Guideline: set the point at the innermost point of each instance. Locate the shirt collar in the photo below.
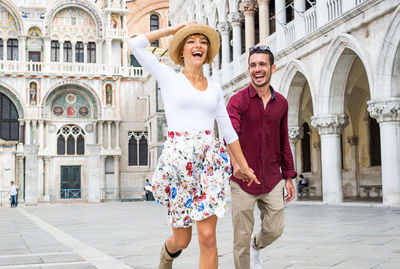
(253, 91)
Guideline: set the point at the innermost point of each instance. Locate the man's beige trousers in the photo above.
(271, 206)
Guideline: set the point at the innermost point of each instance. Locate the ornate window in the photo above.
(305, 149)
(12, 49)
(374, 142)
(55, 51)
(154, 25)
(91, 52)
(137, 149)
(79, 52)
(67, 51)
(71, 140)
(8, 119)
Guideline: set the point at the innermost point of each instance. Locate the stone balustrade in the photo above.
(78, 70)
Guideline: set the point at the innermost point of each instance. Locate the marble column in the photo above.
(125, 52)
(300, 7)
(34, 132)
(41, 134)
(117, 125)
(85, 52)
(21, 130)
(73, 44)
(317, 147)
(217, 62)
(46, 187)
(31, 178)
(249, 8)
(47, 49)
(108, 50)
(353, 141)
(330, 127)
(61, 51)
(22, 49)
(109, 134)
(116, 176)
(387, 113)
(99, 51)
(224, 29)
(263, 14)
(294, 135)
(27, 132)
(94, 180)
(100, 134)
(236, 20)
(280, 22)
(21, 171)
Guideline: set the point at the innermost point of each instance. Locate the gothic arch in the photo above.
(340, 57)
(85, 5)
(294, 77)
(98, 111)
(386, 77)
(13, 95)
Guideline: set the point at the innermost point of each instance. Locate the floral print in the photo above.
(190, 178)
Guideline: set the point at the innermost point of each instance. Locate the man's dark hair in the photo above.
(262, 49)
(301, 175)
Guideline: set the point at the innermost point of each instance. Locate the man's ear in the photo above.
(273, 68)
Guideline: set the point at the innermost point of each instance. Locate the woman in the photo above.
(194, 166)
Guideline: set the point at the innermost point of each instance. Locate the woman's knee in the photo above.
(181, 243)
(207, 238)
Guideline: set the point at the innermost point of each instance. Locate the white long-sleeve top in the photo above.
(186, 108)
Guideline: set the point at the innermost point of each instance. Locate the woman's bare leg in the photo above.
(179, 239)
(208, 243)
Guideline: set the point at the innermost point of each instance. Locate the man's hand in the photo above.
(290, 193)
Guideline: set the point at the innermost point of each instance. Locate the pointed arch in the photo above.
(296, 76)
(13, 95)
(341, 55)
(387, 76)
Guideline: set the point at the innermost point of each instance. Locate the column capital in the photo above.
(353, 140)
(294, 134)
(235, 18)
(263, 2)
(385, 110)
(248, 7)
(330, 124)
(224, 27)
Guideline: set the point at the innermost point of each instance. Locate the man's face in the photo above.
(260, 69)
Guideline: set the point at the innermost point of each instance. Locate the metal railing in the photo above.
(68, 195)
(5, 197)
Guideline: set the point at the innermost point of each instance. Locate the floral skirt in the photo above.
(190, 177)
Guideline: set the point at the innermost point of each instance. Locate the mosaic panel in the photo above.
(7, 22)
(70, 105)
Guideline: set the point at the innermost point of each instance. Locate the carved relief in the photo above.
(248, 7)
(331, 124)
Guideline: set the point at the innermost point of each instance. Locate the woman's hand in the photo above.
(249, 176)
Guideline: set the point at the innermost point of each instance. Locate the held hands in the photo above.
(245, 175)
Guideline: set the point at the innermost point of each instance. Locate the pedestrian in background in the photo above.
(13, 192)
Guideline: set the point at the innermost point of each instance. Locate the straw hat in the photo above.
(176, 42)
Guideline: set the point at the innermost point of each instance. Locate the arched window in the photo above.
(12, 49)
(91, 52)
(67, 51)
(374, 142)
(154, 25)
(305, 149)
(79, 52)
(55, 51)
(8, 119)
(71, 139)
(138, 149)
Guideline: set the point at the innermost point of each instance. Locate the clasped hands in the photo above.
(247, 175)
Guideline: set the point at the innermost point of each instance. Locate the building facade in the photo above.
(75, 112)
(338, 64)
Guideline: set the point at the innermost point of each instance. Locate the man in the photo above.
(13, 192)
(302, 184)
(259, 116)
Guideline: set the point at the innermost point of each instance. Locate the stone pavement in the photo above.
(129, 235)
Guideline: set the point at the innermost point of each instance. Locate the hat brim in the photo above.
(176, 41)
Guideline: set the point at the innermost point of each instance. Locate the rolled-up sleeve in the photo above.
(287, 164)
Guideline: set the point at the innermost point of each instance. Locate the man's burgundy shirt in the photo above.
(263, 135)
